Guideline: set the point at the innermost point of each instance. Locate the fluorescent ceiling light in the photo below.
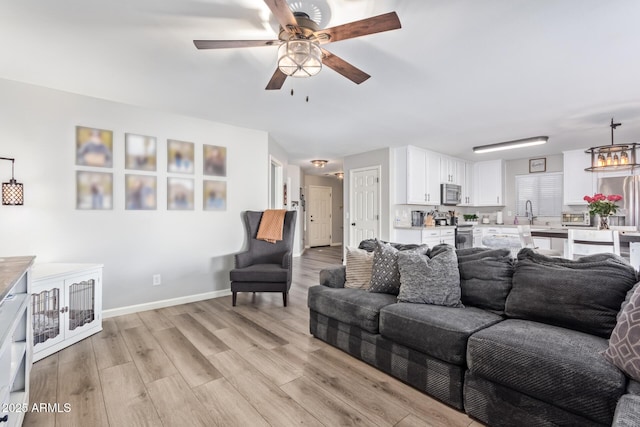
(508, 145)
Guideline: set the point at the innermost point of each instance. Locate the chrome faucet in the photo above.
(528, 207)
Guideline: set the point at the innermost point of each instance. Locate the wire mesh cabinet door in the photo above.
(46, 311)
(81, 311)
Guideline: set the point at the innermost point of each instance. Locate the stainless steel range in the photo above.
(464, 236)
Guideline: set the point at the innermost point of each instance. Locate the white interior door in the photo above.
(319, 216)
(364, 210)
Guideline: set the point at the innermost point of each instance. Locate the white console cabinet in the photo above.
(15, 339)
(66, 304)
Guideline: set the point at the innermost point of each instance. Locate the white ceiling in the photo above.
(459, 73)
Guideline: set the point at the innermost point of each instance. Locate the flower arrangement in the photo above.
(603, 205)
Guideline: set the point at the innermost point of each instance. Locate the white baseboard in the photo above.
(337, 244)
(164, 303)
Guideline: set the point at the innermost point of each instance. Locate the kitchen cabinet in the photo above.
(467, 185)
(489, 183)
(432, 185)
(438, 235)
(417, 175)
(408, 236)
(15, 339)
(67, 305)
(452, 171)
(430, 236)
(577, 183)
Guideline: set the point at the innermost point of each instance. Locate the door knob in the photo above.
(353, 223)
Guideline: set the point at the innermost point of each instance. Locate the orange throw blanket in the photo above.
(271, 225)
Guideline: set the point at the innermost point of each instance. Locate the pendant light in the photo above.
(612, 157)
(12, 191)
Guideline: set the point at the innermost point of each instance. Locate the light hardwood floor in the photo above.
(208, 363)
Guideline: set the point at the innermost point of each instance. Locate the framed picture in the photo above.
(140, 192)
(214, 195)
(94, 190)
(94, 147)
(140, 152)
(538, 165)
(179, 156)
(215, 160)
(179, 194)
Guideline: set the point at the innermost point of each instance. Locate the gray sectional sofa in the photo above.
(524, 350)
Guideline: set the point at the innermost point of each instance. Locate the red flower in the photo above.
(614, 197)
(600, 197)
(588, 199)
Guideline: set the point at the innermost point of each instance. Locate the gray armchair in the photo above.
(264, 267)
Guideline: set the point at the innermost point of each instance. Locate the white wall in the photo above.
(372, 158)
(294, 176)
(192, 250)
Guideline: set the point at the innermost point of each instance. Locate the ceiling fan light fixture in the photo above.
(300, 58)
(319, 163)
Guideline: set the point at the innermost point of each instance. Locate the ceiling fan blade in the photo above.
(283, 14)
(341, 66)
(277, 80)
(225, 44)
(376, 24)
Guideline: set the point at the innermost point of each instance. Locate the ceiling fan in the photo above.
(300, 53)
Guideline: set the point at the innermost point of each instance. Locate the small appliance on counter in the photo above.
(576, 219)
(417, 218)
(485, 219)
(440, 218)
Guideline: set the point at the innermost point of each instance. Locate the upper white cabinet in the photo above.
(433, 178)
(577, 182)
(417, 176)
(489, 183)
(467, 185)
(452, 171)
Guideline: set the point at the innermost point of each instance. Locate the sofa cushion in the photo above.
(627, 412)
(352, 306)
(385, 275)
(432, 279)
(624, 343)
(584, 295)
(359, 264)
(437, 331)
(260, 273)
(559, 366)
(485, 277)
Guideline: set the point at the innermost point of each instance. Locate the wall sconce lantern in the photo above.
(12, 191)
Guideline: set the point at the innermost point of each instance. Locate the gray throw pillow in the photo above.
(430, 280)
(385, 276)
(624, 343)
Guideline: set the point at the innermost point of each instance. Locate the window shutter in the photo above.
(545, 192)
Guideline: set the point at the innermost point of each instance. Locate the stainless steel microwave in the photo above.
(580, 219)
(450, 194)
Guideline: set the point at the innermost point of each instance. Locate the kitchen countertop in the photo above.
(409, 227)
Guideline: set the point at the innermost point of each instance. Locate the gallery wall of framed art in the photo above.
(95, 180)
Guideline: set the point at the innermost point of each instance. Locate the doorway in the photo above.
(319, 205)
(276, 184)
(364, 206)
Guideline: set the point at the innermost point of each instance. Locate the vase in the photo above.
(603, 224)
